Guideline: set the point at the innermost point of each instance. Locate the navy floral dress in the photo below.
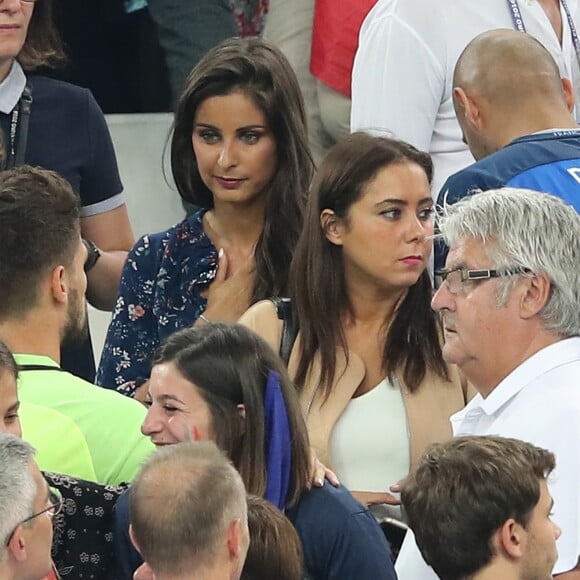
(83, 540)
(160, 292)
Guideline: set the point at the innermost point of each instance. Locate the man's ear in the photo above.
(331, 226)
(569, 94)
(133, 538)
(535, 296)
(467, 107)
(17, 545)
(511, 538)
(59, 285)
(144, 572)
(234, 539)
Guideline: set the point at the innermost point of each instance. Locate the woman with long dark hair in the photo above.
(239, 152)
(367, 360)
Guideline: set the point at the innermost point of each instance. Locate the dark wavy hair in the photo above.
(43, 47)
(318, 287)
(229, 364)
(260, 71)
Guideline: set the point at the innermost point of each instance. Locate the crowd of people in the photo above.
(288, 389)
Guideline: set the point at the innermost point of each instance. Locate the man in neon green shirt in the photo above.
(76, 427)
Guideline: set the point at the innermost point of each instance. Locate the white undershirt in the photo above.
(369, 445)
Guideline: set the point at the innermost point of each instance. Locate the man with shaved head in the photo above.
(402, 78)
(189, 515)
(515, 114)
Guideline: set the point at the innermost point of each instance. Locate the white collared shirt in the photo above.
(403, 70)
(538, 402)
(11, 88)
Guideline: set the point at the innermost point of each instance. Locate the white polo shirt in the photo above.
(403, 69)
(538, 402)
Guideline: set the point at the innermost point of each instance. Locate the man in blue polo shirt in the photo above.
(515, 114)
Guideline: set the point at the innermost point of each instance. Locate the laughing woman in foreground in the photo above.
(223, 383)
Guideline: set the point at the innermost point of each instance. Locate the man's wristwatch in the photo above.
(93, 254)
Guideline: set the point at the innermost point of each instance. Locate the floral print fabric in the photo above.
(161, 291)
(250, 16)
(82, 545)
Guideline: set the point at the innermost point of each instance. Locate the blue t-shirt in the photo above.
(548, 162)
(160, 293)
(341, 539)
(68, 133)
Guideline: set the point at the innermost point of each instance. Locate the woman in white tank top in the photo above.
(367, 359)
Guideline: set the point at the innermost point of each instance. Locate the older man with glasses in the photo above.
(510, 306)
(27, 507)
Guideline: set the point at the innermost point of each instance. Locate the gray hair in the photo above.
(17, 486)
(181, 505)
(527, 229)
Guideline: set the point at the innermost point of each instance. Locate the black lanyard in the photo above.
(39, 368)
(18, 131)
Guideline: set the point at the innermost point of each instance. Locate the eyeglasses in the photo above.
(457, 277)
(55, 506)
(54, 499)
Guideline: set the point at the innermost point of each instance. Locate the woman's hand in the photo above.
(229, 295)
(369, 498)
(319, 472)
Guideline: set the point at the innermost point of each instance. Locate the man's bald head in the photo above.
(507, 85)
(184, 503)
(506, 68)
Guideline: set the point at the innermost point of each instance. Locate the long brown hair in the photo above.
(261, 72)
(229, 364)
(318, 287)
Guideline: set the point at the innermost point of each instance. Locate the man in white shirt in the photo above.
(403, 69)
(480, 509)
(510, 304)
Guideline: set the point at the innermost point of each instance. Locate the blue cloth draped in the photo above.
(278, 442)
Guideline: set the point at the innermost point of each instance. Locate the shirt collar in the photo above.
(35, 359)
(11, 88)
(550, 357)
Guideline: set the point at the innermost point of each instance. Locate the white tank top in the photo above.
(369, 445)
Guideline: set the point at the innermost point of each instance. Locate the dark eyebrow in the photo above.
(170, 398)
(14, 407)
(244, 128)
(250, 127)
(402, 202)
